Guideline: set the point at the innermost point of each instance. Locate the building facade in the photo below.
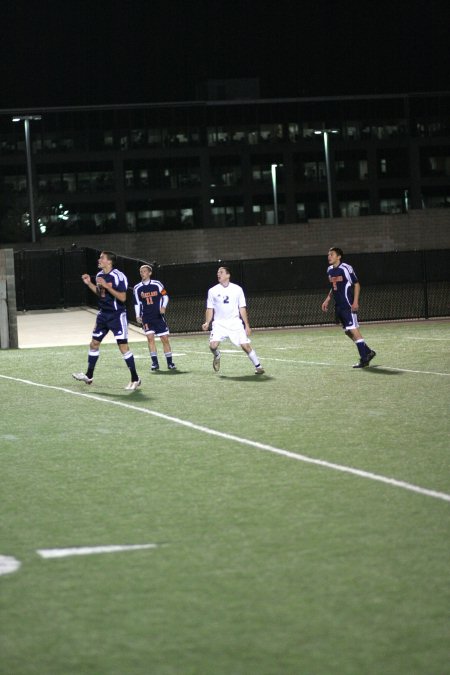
(217, 164)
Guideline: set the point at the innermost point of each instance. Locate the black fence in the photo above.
(279, 291)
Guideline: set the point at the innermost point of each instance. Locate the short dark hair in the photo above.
(338, 251)
(226, 268)
(111, 256)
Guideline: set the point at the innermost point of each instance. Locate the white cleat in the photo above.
(81, 377)
(259, 371)
(132, 386)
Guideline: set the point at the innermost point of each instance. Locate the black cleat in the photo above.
(371, 355)
(363, 363)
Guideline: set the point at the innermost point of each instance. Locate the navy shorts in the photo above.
(157, 326)
(116, 322)
(347, 318)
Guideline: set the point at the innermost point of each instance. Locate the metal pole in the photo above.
(273, 168)
(327, 165)
(30, 180)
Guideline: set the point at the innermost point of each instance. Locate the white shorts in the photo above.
(233, 329)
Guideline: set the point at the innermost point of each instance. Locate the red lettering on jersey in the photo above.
(334, 281)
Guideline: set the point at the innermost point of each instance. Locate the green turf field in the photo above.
(300, 519)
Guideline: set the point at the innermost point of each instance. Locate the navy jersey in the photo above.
(149, 297)
(106, 301)
(342, 279)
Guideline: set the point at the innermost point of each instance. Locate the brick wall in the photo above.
(416, 230)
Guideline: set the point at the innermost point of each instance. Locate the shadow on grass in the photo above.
(172, 373)
(379, 370)
(247, 378)
(137, 395)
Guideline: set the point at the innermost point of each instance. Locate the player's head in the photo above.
(145, 271)
(107, 258)
(223, 274)
(339, 252)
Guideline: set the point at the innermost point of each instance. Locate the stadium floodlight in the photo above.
(325, 133)
(26, 119)
(273, 169)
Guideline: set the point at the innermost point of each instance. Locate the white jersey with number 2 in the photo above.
(226, 301)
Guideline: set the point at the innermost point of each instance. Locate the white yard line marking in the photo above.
(439, 339)
(8, 564)
(245, 441)
(241, 354)
(90, 550)
(332, 365)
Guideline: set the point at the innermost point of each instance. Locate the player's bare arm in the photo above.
(87, 280)
(244, 317)
(326, 302)
(355, 303)
(120, 295)
(208, 318)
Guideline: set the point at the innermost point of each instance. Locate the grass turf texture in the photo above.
(266, 564)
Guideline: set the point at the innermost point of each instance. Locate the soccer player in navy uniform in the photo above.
(150, 302)
(345, 289)
(111, 289)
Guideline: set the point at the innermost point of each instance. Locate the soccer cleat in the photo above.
(259, 370)
(132, 386)
(171, 366)
(371, 355)
(216, 363)
(81, 377)
(363, 363)
(155, 366)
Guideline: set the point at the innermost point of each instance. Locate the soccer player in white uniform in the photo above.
(226, 308)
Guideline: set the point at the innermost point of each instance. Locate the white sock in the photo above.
(253, 358)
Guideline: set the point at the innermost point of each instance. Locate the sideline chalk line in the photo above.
(326, 363)
(245, 441)
(90, 550)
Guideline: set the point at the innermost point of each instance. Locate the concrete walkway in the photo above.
(56, 327)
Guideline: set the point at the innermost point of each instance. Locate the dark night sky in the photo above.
(82, 52)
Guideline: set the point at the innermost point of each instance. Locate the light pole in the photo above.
(26, 121)
(273, 169)
(324, 133)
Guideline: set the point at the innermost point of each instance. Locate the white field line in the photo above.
(241, 354)
(90, 550)
(245, 441)
(439, 339)
(332, 365)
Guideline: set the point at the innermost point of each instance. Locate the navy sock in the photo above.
(129, 360)
(92, 361)
(363, 349)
